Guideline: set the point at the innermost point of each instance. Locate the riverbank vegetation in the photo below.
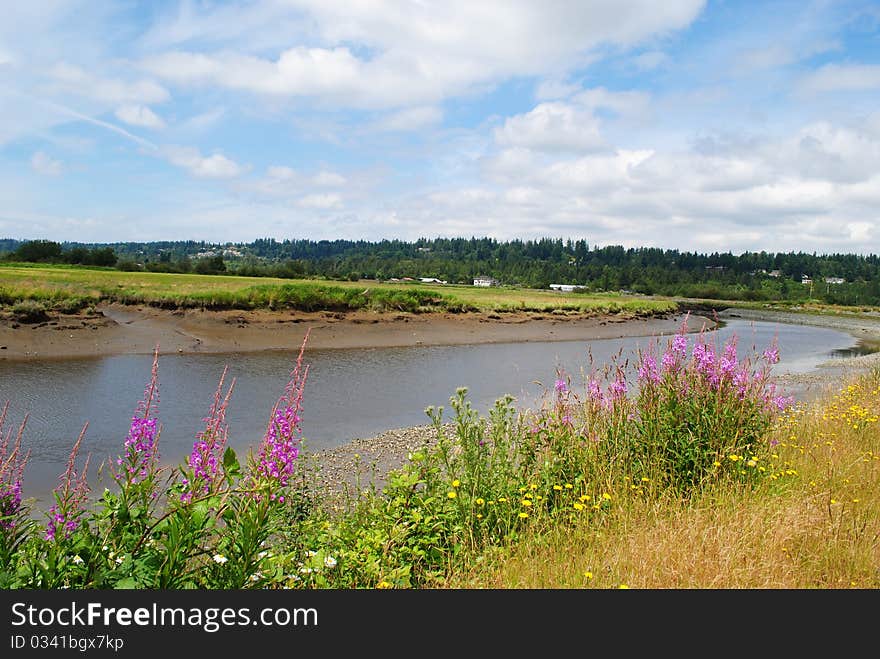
(841, 279)
(29, 290)
(679, 467)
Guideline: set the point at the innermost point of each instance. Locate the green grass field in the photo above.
(68, 289)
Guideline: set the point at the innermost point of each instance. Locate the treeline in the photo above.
(528, 263)
(48, 251)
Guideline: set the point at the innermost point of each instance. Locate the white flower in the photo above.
(77, 560)
(220, 558)
(330, 562)
(119, 560)
(311, 553)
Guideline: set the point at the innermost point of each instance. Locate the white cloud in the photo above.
(328, 179)
(214, 166)
(552, 127)
(46, 165)
(321, 201)
(74, 80)
(841, 77)
(568, 126)
(410, 119)
(385, 54)
(139, 115)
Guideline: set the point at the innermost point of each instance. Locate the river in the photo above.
(349, 393)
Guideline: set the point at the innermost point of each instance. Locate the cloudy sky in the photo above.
(688, 124)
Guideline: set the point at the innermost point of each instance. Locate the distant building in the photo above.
(566, 288)
(431, 280)
(485, 281)
(775, 273)
(835, 280)
(806, 281)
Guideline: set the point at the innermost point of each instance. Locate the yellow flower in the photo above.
(523, 515)
(383, 584)
(480, 501)
(623, 586)
(578, 506)
(502, 500)
(526, 502)
(606, 496)
(588, 575)
(479, 516)
(716, 464)
(533, 486)
(456, 483)
(568, 486)
(451, 494)
(557, 487)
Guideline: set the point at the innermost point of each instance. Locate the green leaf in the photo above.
(231, 466)
(128, 583)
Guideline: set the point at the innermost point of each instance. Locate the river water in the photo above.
(350, 393)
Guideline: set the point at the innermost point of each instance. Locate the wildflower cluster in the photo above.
(205, 460)
(65, 515)
(12, 464)
(141, 444)
(275, 460)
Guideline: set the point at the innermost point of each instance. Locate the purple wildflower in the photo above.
(741, 381)
(207, 452)
(141, 444)
(594, 391)
(675, 353)
(704, 358)
(783, 402)
(728, 359)
(561, 386)
(617, 389)
(771, 354)
(279, 449)
(648, 371)
(70, 495)
(12, 466)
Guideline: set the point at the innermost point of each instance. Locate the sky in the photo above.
(706, 126)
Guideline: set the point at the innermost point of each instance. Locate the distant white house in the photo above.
(775, 273)
(566, 288)
(431, 280)
(805, 280)
(835, 280)
(485, 281)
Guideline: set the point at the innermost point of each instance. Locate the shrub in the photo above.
(29, 311)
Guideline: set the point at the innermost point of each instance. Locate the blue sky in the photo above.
(706, 126)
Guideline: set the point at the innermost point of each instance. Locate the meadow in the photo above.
(701, 475)
(30, 289)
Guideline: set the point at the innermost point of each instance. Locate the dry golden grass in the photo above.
(813, 522)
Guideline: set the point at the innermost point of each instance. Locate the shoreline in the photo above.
(369, 459)
(121, 330)
(361, 461)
